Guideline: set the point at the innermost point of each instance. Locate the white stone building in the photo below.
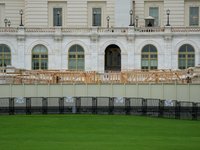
(79, 44)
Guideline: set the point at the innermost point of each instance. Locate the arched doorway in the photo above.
(113, 58)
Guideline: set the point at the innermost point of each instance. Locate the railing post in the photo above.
(78, 104)
(194, 111)
(28, 106)
(161, 108)
(94, 105)
(111, 106)
(11, 106)
(144, 107)
(127, 106)
(61, 105)
(44, 105)
(177, 110)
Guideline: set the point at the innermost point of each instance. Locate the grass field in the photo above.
(97, 132)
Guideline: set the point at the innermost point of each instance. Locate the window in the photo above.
(76, 58)
(97, 16)
(149, 57)
(186, 57)
(4, 55)
(154, 13)
(39, 57)
(194, 16)
(55, 16)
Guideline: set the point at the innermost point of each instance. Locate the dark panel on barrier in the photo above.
(28, 106)
(4, 105)
(119, 105)
(53, 105)
(44, 105)
(20, 105)
(186, 110)
(86, 105)
(36, 105)
(136, 106)
(102, 105)
(11, 106)
(169, 108)
(153, 107)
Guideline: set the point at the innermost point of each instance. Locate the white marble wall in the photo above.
(94, 45)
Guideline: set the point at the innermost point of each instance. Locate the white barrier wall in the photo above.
(181, 92)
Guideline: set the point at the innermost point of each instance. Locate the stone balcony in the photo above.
(100, 31)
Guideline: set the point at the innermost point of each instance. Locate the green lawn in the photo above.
(97, 132)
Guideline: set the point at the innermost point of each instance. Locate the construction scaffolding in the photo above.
(74, 76)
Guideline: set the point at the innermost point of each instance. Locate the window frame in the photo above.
(5, 53)
(39, 53)
(115, 62)
(186, 58)
(189, 17)
(60, 17)
(152, 16)
(149, 57)
(76, 57)
(95, 18)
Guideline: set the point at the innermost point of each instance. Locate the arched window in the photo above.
(186, 57)
(39, 57)
(76, 58)
(149, 57)
(5, 56)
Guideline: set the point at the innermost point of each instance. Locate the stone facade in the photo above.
(77, 30)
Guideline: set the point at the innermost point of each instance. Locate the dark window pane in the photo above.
(73, 49)
(80, 56)
(152, 48)
(55, 16)
(194, 16)
(145, 49)
(190, 48)
(6, 49)
(79, 49)
(1, 48)
(72, 56)
(97, 17)
(183, 48)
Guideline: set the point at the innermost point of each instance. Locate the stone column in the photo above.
(58, 47)
(21, 47)
(130, 48)
(168, 47)
(94, 49)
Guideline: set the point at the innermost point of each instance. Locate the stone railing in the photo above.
(185, 29)
(113, 30)
(8, 30)
(76, 30)
(150, 29)
(39, 30)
